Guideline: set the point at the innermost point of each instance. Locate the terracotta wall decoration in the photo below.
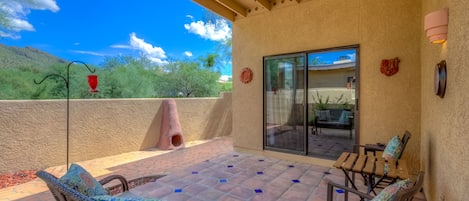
(246, 75)
(390, 67)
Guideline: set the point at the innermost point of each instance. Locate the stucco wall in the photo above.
(445, 122)
(383, 29)
(34, 132)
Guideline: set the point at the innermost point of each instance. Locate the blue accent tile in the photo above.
(295, 181)
(327, 173)
(229, 166)
(258, 190)
(260, 172)
(261, 160)
(195, 172)
(223, 180)
(290, 166)
(236, 155)
(177, 190)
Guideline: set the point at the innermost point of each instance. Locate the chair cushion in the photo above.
(393, 148)
(390, 192)
(122, 197)
(344, 117)
(324, 115)
(82, 181)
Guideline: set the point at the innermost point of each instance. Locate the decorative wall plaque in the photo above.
(440, 79)
(390, 66)
(246, 75)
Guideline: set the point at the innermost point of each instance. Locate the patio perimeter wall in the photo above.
(34, 131)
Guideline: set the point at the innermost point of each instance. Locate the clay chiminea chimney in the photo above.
(170, 131)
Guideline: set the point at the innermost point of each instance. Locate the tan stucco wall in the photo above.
(34, 132)
(383, 29)
(445, 122)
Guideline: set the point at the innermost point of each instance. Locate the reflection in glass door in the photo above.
(320, 121)
(283, 103)
(332, 92)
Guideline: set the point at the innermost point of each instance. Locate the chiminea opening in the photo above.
(176, 140)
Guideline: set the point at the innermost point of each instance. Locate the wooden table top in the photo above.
(372, 165)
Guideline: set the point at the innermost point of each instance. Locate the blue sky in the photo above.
(90, 30)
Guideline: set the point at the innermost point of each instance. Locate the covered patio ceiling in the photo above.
(237, 9)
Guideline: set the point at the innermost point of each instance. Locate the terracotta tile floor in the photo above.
(206, 170)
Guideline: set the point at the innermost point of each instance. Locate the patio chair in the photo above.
(380, 147)
(384, 181)
(63, 192)
(401, 195)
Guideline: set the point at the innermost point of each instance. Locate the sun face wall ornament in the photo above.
(390, 67)
(440, 79)
(246, 75)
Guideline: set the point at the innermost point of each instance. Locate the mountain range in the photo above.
(26, 57)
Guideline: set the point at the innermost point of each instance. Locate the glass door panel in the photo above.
(332, 97)
(284, 106)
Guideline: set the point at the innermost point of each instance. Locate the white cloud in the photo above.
(155, 54)
(187, 53)
(13, 15)
(8, 35)
(225, 78)
(20, 25)
(89, 52)
(121, 46)
(218, 32)
(190, 16)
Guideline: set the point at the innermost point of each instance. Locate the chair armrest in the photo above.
(143, 180)
(330, 191)
(126, 185)
(122, 187)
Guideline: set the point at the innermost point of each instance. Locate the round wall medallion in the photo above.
(440, 79)
(246, 75)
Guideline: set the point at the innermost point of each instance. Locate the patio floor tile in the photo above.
(210, 170)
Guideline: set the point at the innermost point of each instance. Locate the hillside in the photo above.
(27, 57)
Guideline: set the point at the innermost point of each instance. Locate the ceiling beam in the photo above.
(217, 8)
(265, 4)
(233, 6)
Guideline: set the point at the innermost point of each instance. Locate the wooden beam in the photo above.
(235, 7)
(217, 8)
(265, 3)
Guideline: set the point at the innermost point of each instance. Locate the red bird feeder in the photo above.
(93, 83)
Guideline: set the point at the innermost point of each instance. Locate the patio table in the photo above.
(369, 167)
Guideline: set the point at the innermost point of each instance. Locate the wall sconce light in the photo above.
(436, 26)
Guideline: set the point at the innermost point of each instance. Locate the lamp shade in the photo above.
(436, 25)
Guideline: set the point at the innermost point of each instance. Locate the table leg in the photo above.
(347, 179)
(370, 184)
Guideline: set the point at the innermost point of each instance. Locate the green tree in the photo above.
(187, 79)
(127, 77)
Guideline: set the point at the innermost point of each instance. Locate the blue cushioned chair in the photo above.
(63, 192)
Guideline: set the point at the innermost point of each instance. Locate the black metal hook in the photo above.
(50, 75)
(67, 81)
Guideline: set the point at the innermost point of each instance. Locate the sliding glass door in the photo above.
(284, 106)
(310, 102)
